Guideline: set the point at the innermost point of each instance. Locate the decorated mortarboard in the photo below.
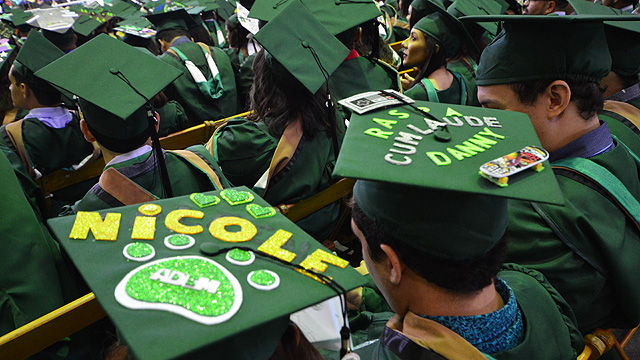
(176, 19)
(462, 8)
(336, 16)
(85, 25)
(124, 10)
(53, 19)
(623, 37)
(168, 276)
(427, 191)
(127, 78)
(208, 5)
(310, 53)
(579, 53)
(140, 27)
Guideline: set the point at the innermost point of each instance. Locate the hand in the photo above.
(354, 299)
(406, 81)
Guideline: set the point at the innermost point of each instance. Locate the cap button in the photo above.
(305, 44)
(114, 71)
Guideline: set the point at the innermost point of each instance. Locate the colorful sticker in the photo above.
(235, 197)
(263, 279)
(179, 241)
(150, 209)
(240, 257)
(138, 251)
(260, 212)
(203, 200)
(194, 287)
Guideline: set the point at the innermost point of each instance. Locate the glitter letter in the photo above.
(273, 246)
(172, 221)
(102, 230)
(144, 228)
(219, 231)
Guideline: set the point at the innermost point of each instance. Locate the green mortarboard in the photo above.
(336, 16)
(427, 6)
(580, 54)
(429, 193)
(186, 300)
(176, 19)
(124, 10)
(85, 25)
(140, 27)
(208, 5)
(226, 8)
(112, 109)
(300, 48)
(37, 52)
(19, 19)
(439, 27)
(623, 37)
(462, 8)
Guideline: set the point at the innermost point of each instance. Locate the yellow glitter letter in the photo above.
(219, 231)
(317, 260)
(273, 246)
(144, 228)
(102, 230)
(172, 221)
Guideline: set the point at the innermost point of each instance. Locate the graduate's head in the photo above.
(425, 215)
(171, 25)
(117, 113)
(556, 82)
(36, 53)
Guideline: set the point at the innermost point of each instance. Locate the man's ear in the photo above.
(85, 131)
(396, 265)
(559, 94)
(551, 7)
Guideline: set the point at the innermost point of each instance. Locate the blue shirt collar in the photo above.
(180, 40)
(593, 143)
(55, 117)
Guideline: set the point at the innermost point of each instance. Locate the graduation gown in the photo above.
(457, 93)
(550, 332)
(197, 106)
(243, 149)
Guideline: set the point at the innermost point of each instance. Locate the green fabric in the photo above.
(454, 94)
(159, 335)
(177, 19)
(360, 75)
(310, 53)
(596, 230)
(185, 91)
(185, 179)
(462, 66)
(32, 280)
(121, 115)
(550, 331)
(36, 53)
(243, 149)
(51, 149)
(210, 84)
(622, 131)
(85, 25)
(244, 80)
(479, 7)
(580, 54)
(172, 118)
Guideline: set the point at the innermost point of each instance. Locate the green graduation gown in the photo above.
(550, 331)
(457, 93)
(185, 177)
(243, 149)
(467, 67)
(197, 106)
(172, 118)
(593, 263)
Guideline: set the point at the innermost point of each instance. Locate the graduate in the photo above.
(122, 125)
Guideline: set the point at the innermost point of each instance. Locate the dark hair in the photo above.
(294, 345)
(170, 34)
(202, 35)
(458, 276)
(435, 61)
(403, 7)
(120, 145)
(277, 95)
(237, 35)
(46, 94)
(587, 95)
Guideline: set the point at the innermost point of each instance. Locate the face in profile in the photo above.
(415, 49)
(537, 7)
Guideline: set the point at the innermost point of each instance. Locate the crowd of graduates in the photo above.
(457, 269)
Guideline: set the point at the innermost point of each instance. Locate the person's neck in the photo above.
(432, 300)
(442, 78)
(612, 84)
(36, 105)
(569, 128)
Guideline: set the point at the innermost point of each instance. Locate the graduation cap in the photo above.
(428, 193)
(574, 48)
(336, 16)
(176, 19)
(207, 5)
(85, 25)
(53, 19)
(623, 37)
(462, 8)
(19, 19)
(36, 53)
(226, 8)
(124, 10)
(140, 27)
(446, 29)
(310, 53)
(183, 292)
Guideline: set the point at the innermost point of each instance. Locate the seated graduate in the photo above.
(118, 115)
(587, 249)
(286, 149)
(433, 235)
(207, 91)
(434, 39)
(49, 136)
